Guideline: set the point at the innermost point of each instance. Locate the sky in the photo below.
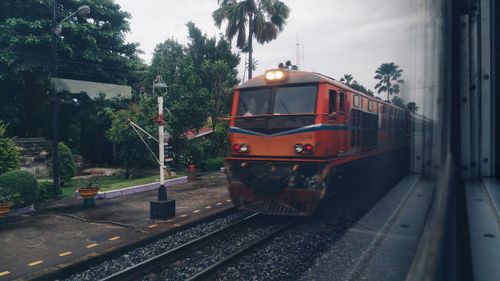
(336, 36)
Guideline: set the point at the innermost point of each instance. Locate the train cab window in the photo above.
(341, 103)
(356, 101)
(370, 105)
(254, 102)
(295, 100)
(332, 108)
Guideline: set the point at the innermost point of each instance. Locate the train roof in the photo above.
(301, 77)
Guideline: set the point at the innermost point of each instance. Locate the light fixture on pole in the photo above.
(56, 34)
(163, 208)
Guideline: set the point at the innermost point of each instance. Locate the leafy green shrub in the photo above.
(9, 155)
(193, 152)
(214, 164)
(66, 165)
(46, 190)
(21, 186)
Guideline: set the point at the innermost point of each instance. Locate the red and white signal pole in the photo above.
(163, 208)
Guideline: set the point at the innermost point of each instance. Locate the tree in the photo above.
(397, 101)
(265, 19)
(348, 79)
(199, 77)
(93, 49)
(9, 155)
(388, 75)
(412, 107)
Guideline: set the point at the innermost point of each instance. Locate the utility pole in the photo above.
(55, 102)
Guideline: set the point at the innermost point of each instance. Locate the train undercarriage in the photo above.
(277, 188)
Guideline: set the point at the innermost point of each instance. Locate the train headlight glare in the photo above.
(279, 75)
(270, 75)
(275, 75)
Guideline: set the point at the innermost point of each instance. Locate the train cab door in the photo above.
(342, 121)
(336, 118)
(332, 135)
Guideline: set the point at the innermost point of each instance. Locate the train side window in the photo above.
(332, 109)
(356, 101)
(370, 105)
(384, 109)
(341, 103)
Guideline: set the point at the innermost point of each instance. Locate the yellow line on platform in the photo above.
(5, 273)
(35, 263)
(196, 211)
(208, 207)
(91, 245)
(65, 254)
(114, 238)
(152, 226)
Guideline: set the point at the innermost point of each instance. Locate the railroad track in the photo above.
(233, 234)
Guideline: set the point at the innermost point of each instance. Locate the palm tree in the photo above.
(264, 18)
(347, 79)
(388, 74)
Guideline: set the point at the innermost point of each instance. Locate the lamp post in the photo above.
(56, 34)
(163, 208)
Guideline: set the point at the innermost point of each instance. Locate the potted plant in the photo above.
(88, 189)
(191, 167)
(5, 205)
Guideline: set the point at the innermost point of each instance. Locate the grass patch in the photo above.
(107, 183)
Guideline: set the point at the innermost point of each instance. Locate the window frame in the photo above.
(341, 102)
(332, 93)
(356, 101)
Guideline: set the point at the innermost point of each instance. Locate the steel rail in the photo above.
(204, 274)
(145, 267)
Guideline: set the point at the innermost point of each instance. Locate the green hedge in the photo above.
(214, 164)
(9, 155)
(20, 186)
(46, 190)
(66, 163)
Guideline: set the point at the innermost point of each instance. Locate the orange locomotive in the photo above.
(289, 130)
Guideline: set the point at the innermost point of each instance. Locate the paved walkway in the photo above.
(62, 233)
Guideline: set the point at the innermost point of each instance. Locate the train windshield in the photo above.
(254, 102)
(295, 100)
(286, 100)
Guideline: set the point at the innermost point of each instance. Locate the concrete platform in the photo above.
(381, 245)
(483, 209)
(63, 232)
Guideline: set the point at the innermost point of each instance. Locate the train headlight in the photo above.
(298, 148)
(275, 75)
(303, 148)
(242, 148)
